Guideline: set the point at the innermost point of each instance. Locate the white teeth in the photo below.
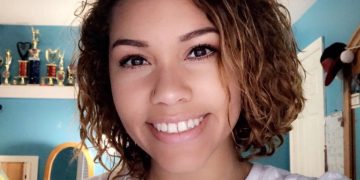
(181, 126)
(178, 127)
(163, 127)
(157, 126)
(172, 128)
(190, 124)
(196, 122)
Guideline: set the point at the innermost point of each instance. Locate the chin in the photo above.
(181, 159)
(182, 165)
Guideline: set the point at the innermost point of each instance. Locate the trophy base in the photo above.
(34, 71)
(60, 77)
(6, 82)
(6, 76)
(22, 80)
(50, 81)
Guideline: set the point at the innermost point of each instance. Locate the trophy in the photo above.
(71, 74)
(60, 75)
(23, 50)
(51, 56)
(34, 59)
(6, 73)
(1, 62)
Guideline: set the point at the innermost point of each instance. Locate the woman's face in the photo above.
(164, 73)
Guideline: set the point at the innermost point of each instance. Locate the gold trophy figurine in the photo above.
(34, 51)
(6, 73)
(35, 37)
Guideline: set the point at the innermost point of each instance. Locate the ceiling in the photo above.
(36, 12)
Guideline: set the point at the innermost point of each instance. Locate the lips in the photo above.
(177, 130)
(180, 126)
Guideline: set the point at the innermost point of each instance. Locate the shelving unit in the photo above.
(351, 101)
(38, 92)
(355, 100)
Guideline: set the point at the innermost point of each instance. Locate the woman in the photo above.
(181, 89)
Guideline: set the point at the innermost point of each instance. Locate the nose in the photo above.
(170, 87)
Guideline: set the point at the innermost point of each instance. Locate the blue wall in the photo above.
(335, 21)
(280, 158)
(36, 126)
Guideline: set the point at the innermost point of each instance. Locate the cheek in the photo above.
(129, 99)
(131, 108)
(234, 105)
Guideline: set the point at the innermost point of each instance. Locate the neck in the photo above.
(224, 163)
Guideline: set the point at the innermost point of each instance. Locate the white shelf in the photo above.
(355, 100)
(38, 92)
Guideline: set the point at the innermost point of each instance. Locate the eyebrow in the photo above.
(185, 37)
(197, 33)
(129, 42)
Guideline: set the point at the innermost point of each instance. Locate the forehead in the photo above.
(156, 17)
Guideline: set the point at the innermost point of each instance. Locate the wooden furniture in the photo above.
(55, 152)
(348, 114)
(355, 41)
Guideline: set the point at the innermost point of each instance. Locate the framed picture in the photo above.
(20, 167)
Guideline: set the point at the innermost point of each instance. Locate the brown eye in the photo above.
(133, 61)
(201, 51)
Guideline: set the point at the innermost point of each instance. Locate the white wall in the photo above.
(61, 12)
(297, 7)
(39, 12)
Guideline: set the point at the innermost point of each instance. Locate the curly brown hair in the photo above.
(257, 49)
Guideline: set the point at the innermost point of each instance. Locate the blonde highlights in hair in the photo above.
(257, 50)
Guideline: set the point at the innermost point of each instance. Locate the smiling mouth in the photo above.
(178, 127)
